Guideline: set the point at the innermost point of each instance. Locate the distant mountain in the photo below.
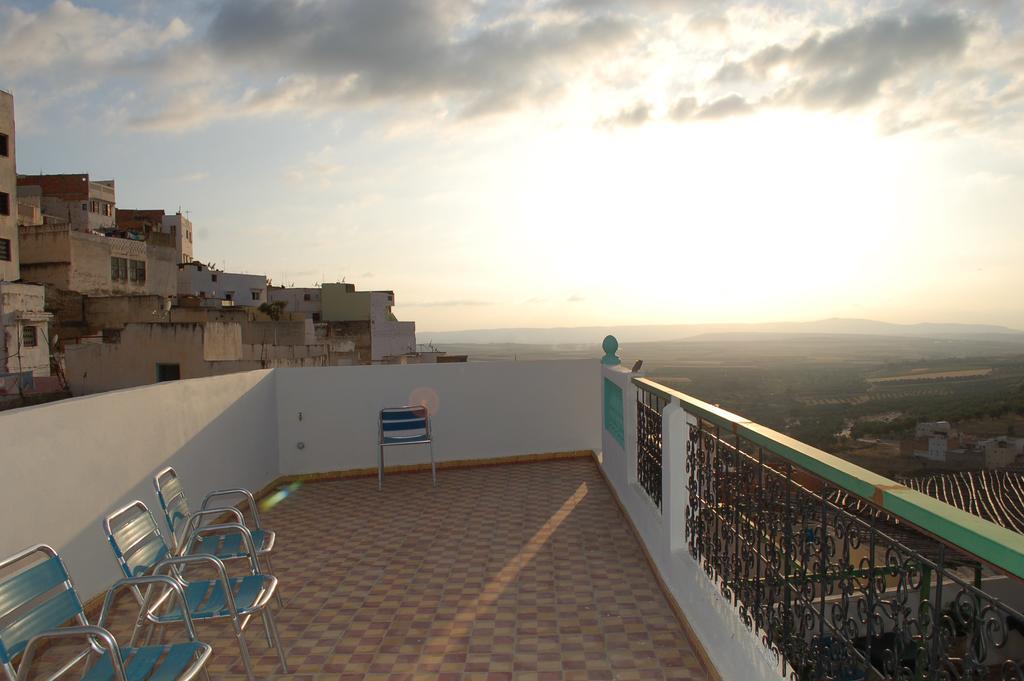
(592, 335)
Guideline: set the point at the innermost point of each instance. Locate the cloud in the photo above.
(369, 50)
(631, 117)
(852, 67)
(683, 108)
(78, 40)
(192, 177)
(448, 303)
(730, 105)
(318, 168)
(575, 298)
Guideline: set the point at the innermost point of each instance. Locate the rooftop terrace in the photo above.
(639, 533)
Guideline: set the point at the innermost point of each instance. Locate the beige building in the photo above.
(8, 192)
(85, 204)
(72, 260)
(149, 221)
(141, 354)
(24, 331)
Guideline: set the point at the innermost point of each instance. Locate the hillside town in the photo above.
(96, 297)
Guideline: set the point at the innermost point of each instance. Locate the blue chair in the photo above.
(403, 426)
(140, 549)
(37, 600)
(182, 522)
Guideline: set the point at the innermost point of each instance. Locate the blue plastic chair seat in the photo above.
(227, 546)
(206, 599)
(149, 663)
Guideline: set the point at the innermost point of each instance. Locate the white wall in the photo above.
(734, 650)
(67, 464)
(480, 410)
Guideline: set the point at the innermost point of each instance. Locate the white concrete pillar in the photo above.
(674, 435)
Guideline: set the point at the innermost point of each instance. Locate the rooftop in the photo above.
(618, 530)
(524, 571)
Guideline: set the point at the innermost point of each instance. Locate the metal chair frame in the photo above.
(139, 547)
(174, 504)
(38, 584)
(397, 419)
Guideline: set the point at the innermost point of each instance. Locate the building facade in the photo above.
(86, 204)
(197, 279)
(367, 316)
(97, 265)
(8, 192)
(148, 221)
(24, 330)
(24, 327)
(302, 300)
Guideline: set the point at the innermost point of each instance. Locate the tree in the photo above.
(273, 310)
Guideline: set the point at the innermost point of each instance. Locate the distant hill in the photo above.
(592, 335)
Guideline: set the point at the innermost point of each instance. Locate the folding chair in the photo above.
(182, 522)
(140, 549)
(403, 426)
(37, 599)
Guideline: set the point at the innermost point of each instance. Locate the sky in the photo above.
(558, 162)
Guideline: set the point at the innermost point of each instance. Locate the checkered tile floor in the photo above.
(524, 571)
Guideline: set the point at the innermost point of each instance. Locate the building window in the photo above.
(5, 249)
(137, 271)
(85, 206)
(5, 203)
(5, 149)
(316, 316)
(255, 295)
(28, 336)
(213, 277)
(230, 295)
(94, 207)
(306, 297)
(119, 269)
(168, 372)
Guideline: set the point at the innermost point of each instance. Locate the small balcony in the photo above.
(587, 524)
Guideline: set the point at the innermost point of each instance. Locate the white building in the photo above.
(304, 300)
(197, 279)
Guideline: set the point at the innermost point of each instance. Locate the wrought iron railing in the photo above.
(842, 573)
(649, 406)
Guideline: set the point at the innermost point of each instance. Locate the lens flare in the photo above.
(280, 495)
(426, 397)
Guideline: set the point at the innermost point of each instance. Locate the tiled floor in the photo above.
(524, 571)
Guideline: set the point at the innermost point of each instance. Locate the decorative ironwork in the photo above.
(648, 443)
(835, 592)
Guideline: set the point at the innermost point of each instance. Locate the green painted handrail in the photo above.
(997, 546)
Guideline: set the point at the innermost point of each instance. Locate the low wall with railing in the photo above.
(788, 561)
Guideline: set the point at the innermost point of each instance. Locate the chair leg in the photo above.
(246, 662)
(380, 469)
(433, 467)
(272, 633)
(270, 571)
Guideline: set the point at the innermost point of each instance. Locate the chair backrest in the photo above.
(36, 595)
(404, 422)
(136, 539)
(173, 502)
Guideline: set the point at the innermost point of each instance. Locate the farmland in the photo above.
(817, 386)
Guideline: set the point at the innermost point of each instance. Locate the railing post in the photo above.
(674, 435)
